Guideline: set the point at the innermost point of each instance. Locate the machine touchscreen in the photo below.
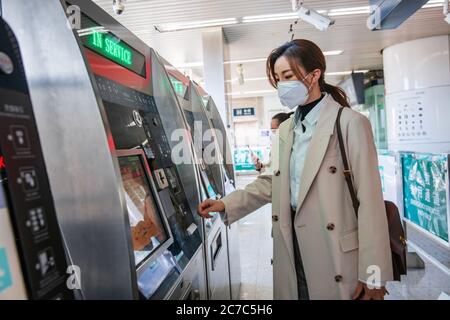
(147, 228)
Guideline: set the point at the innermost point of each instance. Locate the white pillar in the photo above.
(213, 69)
(417, 82)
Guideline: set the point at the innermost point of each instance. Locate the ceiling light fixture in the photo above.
(333, 52)
(88, 31)
(270, 17)
(195, 24)
(238, 93)
(294, 15)
(349, 11)
(344, 73)
(433, 4)
(245, 61)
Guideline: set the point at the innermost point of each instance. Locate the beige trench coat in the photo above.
(337, 248)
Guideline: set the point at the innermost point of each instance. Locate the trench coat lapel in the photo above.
(285, 149)
(317, 147)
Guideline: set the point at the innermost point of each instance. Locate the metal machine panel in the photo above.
(218, 267)
(224, 143)
(234, 260)
(228, 171)
(25, 190)
(216, 245)
(83, 176)
(210, 176)
(149, 136)
(175, 127)
(180, 142)
(207, 148)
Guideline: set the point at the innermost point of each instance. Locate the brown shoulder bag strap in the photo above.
(347, 171)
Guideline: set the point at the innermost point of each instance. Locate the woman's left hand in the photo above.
(363, 292)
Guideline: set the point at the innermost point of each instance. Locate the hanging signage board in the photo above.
(240, 112)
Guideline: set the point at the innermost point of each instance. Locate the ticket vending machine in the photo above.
(206, 149)
(229, 181)
(33, 260)
(166, 235)
(215, 243)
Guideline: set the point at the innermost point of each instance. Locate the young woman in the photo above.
(321, 249)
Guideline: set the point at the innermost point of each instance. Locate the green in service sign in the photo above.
(425, 191)
(98, 39)
(110, 47)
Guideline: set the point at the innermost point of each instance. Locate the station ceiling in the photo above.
(362, 48)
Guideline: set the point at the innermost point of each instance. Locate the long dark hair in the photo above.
(305, 53)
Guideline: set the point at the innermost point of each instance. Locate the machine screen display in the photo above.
(103, 42)
(147, 229)
(179, 87)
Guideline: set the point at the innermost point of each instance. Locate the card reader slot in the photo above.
(215, 248)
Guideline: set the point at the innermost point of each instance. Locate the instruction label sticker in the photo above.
(5, 274)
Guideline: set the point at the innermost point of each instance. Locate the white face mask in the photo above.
(292, 93)
(273, 133)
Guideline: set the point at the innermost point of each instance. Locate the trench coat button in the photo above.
(277, 172)
(338, 278)
(330, 226)
(274, 218)
(271, 261)
(332, 169)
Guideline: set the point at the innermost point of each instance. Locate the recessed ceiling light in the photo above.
(270, 17)
(195, 24)
(293, 15)
(333, 52)
(433, 4)
(343, 73)
(349, 11)
(245, 61)
(88, 31)
(238, 93)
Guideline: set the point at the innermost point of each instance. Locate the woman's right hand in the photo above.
(208, 206)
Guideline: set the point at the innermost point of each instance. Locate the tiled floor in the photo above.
(256, 251)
